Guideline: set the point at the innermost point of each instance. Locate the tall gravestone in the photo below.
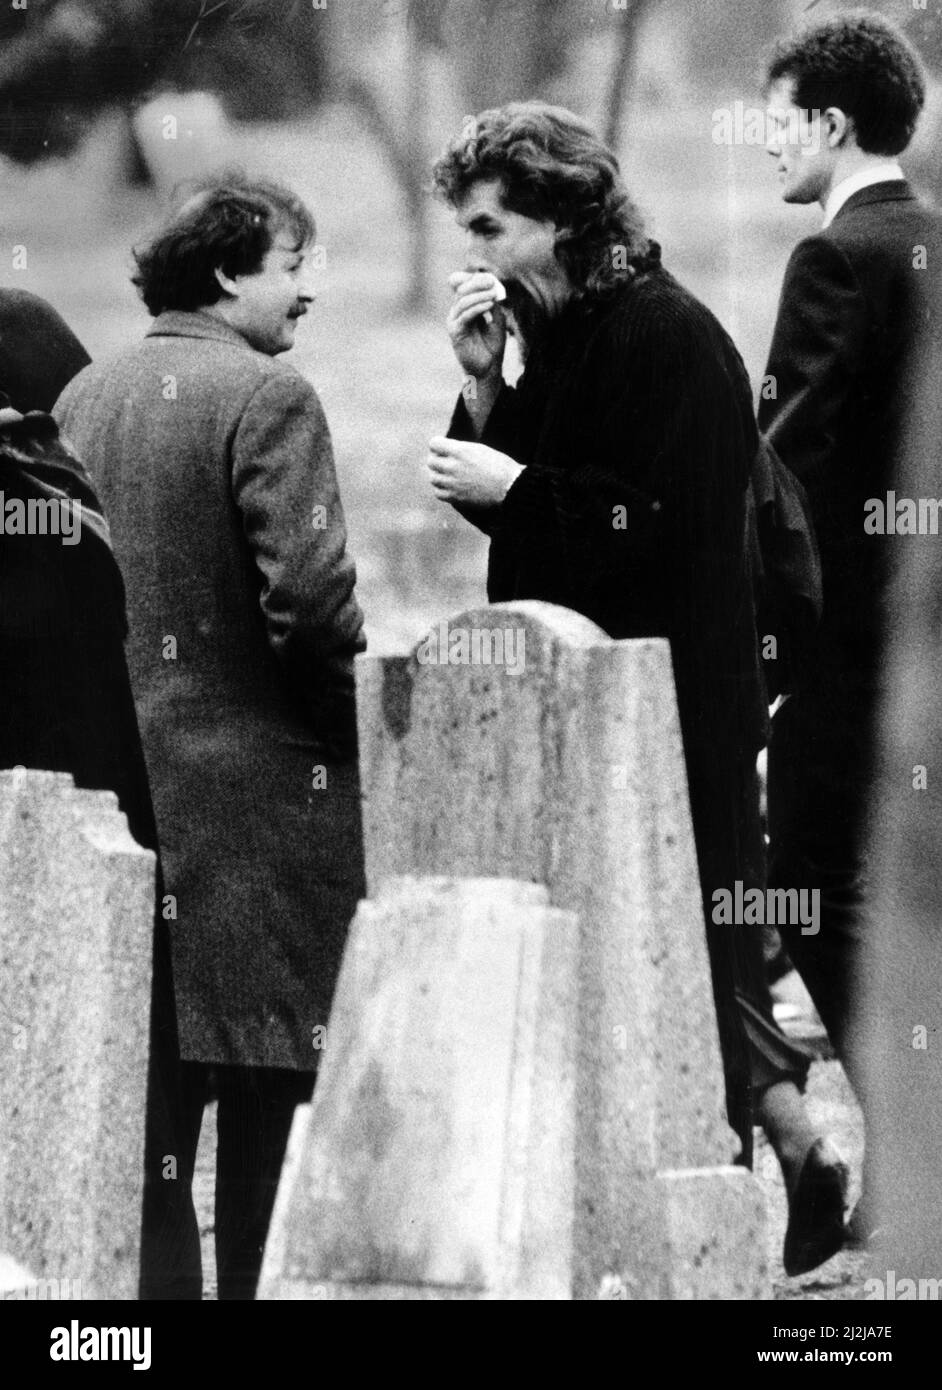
(437, 1158)
(519, 742)
(76, 930)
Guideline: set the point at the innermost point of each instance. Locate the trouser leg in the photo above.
(170, 1244)
(725, 809)
(256, 1109)
(819, 787)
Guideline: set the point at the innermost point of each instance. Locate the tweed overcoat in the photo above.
(215, 468)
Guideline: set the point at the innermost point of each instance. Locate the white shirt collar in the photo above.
(884, 172)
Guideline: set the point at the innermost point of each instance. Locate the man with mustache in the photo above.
(613, 480)
(215, 466)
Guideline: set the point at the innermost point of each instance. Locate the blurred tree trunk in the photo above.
(512, 51)
(623, 68)
(405, 146)
(415, 167)
(137, 171)
(548, 41)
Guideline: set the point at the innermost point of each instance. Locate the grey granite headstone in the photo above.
(436, 1160)
(76, 931)
(518, 741)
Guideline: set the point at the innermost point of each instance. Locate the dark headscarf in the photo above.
(65, 696)
(39, 353)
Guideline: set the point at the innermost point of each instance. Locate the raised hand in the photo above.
(476, 323)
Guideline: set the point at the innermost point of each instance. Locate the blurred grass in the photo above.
(388, 380)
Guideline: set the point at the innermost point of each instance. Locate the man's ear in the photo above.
(230, 286)
(838, 127)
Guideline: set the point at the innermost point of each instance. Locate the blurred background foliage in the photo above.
(105, 104)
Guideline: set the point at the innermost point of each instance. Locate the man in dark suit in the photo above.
(215, 465)
(845, 96)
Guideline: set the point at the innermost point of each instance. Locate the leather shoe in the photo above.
(816, 1210)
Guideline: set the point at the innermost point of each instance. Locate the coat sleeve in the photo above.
(285, 485)
(818, 348)
(499, 433)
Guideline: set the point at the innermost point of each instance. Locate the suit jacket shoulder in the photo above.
(892, 240)
(855, 303)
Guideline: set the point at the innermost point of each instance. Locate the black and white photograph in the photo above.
(471, 668)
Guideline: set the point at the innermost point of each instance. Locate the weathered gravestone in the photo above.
(76, 927)
(15, 1281)
(436, 1160)
(518, 741)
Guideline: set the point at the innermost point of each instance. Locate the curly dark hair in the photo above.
(552, 166)
(863, 65)
(227, 222)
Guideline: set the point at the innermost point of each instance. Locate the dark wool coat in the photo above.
(215, 466)
(66, 706)
(65, 695)
(640, 402)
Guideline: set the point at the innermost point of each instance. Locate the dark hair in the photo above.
(864, 66)
(552, 166)
(227, 222)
